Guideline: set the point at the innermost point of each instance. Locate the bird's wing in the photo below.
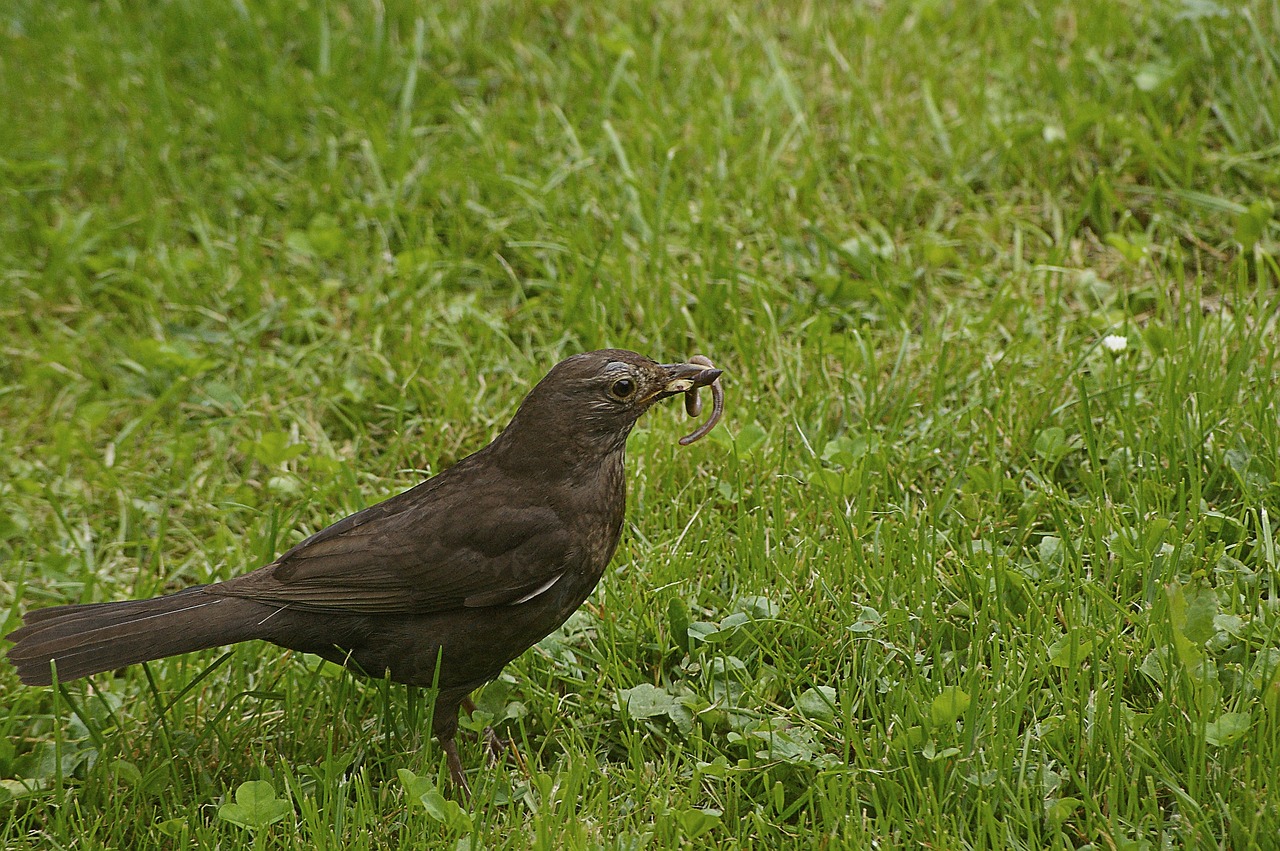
(429, 549)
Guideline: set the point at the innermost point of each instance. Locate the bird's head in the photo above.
(589, 402)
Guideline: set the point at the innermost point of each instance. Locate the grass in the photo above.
(953, 574)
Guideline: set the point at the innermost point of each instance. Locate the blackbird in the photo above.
(440, 586)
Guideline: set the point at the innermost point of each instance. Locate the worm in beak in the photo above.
(688, 378)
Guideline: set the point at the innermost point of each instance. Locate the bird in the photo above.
(440, 586)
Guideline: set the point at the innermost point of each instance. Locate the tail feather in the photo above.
(37, 616)
(87, 639)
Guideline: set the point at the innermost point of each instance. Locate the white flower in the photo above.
(1115, 343)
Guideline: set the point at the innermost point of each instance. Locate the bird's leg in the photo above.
(456, 774)
(493, 743)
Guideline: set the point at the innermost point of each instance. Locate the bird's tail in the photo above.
(87, 639)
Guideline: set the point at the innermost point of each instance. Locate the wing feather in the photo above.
(433, 548)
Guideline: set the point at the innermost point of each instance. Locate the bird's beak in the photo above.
(682, 377)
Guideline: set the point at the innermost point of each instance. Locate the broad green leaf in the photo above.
(1228, 727)
(718, 767)
(449, 813)
(413, 784)
(795, 746)
(1051, 550)
(12, 789)
(681, 713)
(818, 702)
(838, 482)
(1191, 610)
(255, 806)
(696, 822)
(757, 607)
(644, 701)
(1265, 669)
(930, 751)
(46, 761)
(731, 622)
(701, 631)
(1133, 247)
(1059, 810)
(948, 706)
(1051, 444)
(1191, 656)
(1156, 664)
(126, 772)
(844, 451)
(272, 448)
(985, 779)
(909, 739)
(1069, 651)
(1202, 606)
(1232, 625)
(868, 620)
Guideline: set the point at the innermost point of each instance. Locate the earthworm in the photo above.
(693, 404)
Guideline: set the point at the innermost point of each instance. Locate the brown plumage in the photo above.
(471, 567)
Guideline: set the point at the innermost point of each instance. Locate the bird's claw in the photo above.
(494, 746)
(457, 776)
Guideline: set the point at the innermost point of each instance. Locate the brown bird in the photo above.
(468, 569)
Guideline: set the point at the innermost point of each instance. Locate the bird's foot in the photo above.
(495, 746)
(457, 776)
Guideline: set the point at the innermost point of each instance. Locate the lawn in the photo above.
(983, 555)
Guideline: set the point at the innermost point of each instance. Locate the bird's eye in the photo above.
(623, 388)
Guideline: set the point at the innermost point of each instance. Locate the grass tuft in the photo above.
(984, 555)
